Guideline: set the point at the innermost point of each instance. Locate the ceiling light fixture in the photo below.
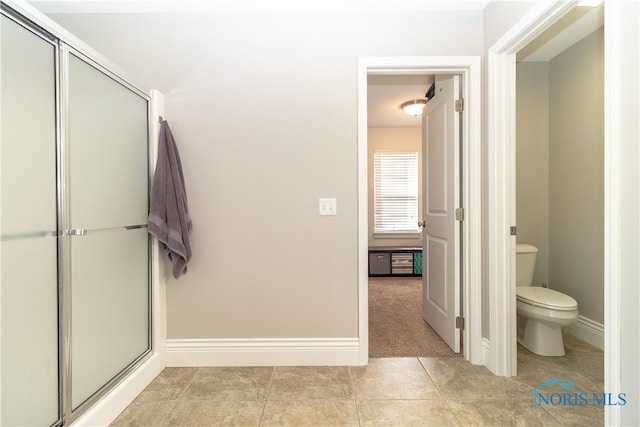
(414, 107)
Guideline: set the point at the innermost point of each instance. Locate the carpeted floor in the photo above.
(396, 327)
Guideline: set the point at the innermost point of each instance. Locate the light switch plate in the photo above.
(328, 206)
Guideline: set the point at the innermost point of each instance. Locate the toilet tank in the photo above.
(525, 263)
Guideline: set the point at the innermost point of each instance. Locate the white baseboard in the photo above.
(113, 403)
(263, 352)
(589, 331)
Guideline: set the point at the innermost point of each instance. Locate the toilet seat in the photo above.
(545, 298)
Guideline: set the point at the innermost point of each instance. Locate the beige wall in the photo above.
(532, 161)
(254, 177)
(264, 109)
(265, 263)
(394, 139)
(169, 54)
(560, 176)
(576, 174)
(501, 16)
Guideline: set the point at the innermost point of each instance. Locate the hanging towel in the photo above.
(169, 219)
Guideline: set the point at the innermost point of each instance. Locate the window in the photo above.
(395, 202)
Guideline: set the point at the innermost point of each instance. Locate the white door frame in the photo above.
(501, 95)
(469, 67)
(501, 133)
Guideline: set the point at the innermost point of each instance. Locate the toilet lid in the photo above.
(546, 298)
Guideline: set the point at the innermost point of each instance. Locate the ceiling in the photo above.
(385, 93)
(578, 23)
(207, 6)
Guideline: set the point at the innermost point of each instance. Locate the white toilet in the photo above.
(542, 312)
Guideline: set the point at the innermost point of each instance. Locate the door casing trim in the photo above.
(501, 215)
(469, 68)
(501, 131)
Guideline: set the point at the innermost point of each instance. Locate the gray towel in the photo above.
(169, 219)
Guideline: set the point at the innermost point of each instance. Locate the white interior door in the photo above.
(441, 236)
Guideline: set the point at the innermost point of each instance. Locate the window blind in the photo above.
(395, 192)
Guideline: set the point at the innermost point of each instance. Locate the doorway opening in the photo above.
(560, 171)
(396, 191)
(469, 70)
(502, 192)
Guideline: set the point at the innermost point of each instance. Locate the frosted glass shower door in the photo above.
(108, 206)
(29, 229)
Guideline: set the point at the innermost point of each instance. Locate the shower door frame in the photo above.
(106, 403)
(70, 414)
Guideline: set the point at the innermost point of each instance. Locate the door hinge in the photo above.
(459, 105)
(459, 322)
(459, 214)
(513, 231)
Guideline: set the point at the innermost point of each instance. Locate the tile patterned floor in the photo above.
(403, 392)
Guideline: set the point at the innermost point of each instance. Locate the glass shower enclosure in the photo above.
(75, 290)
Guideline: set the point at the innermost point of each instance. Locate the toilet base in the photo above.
(542, 339)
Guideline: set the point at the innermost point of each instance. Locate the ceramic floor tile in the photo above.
(170, 384)
(482, 387)
(310, 382)
(501, 412)
(443, 368)
(588, 364)
(533, 371)
(387, 392)
(237, 384)
(216, 413)
(309, 413)
(583, 416)
(146, 413)
(581, 358)
(574, 344)
(458, 379)
(393, 379)
(405, 413)
(394, 364)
